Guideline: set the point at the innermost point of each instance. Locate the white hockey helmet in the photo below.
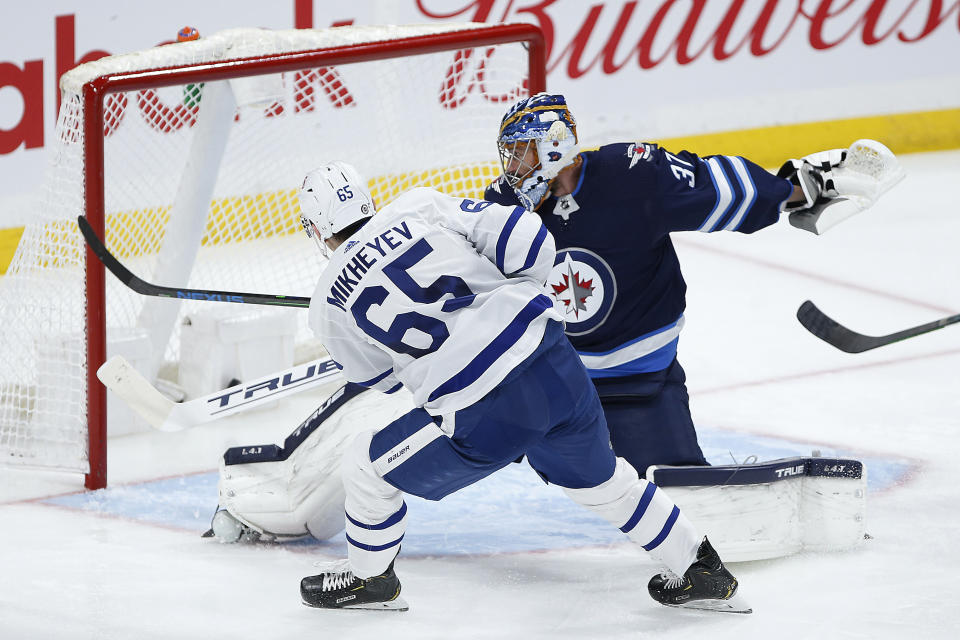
(332, 198)
(537, 140)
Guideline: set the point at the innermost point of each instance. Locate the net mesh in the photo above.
(201, 192)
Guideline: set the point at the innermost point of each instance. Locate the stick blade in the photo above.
(830, 331)
(118, 375)
(821, 325)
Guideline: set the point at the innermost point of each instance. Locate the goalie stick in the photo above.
(832, 332)
(161, 413)
(143, 287)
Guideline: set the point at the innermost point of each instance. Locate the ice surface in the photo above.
(510, 557)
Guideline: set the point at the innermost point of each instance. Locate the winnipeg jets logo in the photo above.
(583, 288)
(573, 292)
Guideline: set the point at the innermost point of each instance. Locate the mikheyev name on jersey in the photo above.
(362, 260)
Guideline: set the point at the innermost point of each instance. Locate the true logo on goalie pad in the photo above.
(322, 412)
(771, 471)
(790, 471)
(273, 453)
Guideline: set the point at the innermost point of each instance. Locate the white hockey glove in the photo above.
(839, 183)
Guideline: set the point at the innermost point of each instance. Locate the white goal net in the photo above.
(190, 155)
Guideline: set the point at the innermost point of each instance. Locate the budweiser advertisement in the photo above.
(631, 69)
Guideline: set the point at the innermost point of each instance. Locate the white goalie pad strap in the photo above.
(828, 158)
(772, 509)
(297, 489)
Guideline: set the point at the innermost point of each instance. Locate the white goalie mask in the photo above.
(537, 140)
(332, 198)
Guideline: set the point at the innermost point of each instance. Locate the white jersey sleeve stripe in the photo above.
(505, 237)
(496, 348)
(724, 195)
(749, 193)
(386, 382)
(534, 250)
(375, 379)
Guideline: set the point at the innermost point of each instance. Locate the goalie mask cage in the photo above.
(186, 158)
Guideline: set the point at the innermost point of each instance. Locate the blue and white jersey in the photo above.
(616, 276)
(440, 294)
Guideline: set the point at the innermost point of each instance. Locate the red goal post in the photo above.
(192, 194)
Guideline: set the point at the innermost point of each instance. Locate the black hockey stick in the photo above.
(829, 330)
(148, 289)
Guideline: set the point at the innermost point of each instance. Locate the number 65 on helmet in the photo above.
(333, 197)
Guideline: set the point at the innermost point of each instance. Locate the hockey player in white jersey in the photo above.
(432, 296)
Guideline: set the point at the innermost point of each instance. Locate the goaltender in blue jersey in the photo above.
(617, 277)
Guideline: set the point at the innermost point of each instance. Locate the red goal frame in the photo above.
(96, 91)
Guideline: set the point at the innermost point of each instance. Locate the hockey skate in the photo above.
(706, 585)
(338, 588)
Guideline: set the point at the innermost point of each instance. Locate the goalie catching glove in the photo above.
(839, 183)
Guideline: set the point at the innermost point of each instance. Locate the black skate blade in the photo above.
(736, 604)
(397, 604)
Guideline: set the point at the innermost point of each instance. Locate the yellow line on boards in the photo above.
(771, 146)
(767, 146)
(9, 239)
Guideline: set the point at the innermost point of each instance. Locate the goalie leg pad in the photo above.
(296, 490)
(772, 509)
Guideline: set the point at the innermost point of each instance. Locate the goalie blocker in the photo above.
(749, 512)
